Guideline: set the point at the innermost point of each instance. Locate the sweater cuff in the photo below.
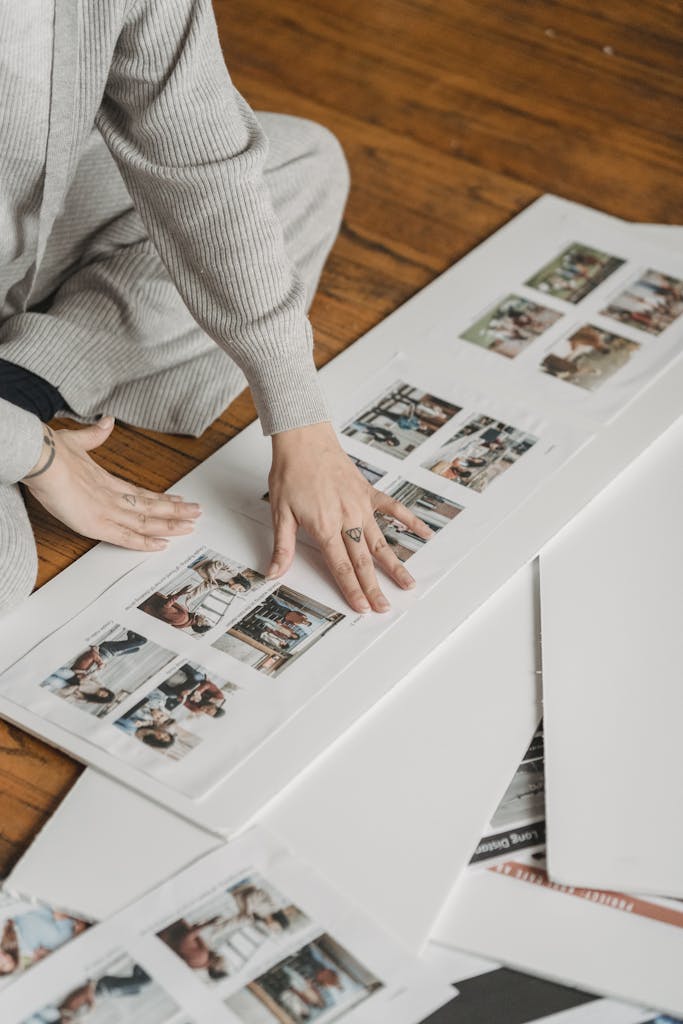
(287, 392)
(22, 442)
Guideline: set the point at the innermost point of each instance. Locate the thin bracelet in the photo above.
(48, 440)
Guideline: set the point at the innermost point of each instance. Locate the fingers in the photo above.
(383, 503)
(364, 569)
(153, 525)
(124, 537)
(341, 567)
(386, 558)
(158, 506)
(93, 436)
(284, 544)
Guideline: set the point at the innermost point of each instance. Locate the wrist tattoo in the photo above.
(355, 533)
(49, 442)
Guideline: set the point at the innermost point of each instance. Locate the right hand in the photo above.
(97, 504)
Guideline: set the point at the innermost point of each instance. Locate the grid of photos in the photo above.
(319, 983)
(277, 630)
(651, 303)
(432, 509)
(234, 929)
(30, 932)
(173, 719)
(200, 596)
(108, 670)
(481, 451)
(589, 357)
(574, 274)
(400, 420)
(118, 994)
(509, 326)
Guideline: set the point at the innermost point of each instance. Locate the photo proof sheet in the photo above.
(246, 935)
(583, 936)
(493, 406)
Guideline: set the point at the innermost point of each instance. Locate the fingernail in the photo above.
(406, 580)
(105, 422)
(382, 604)
(160, 544)
(273, 571)
(363, 606)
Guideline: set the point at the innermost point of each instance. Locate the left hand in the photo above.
(314, 484)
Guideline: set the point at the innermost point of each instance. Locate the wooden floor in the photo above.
(454, 114)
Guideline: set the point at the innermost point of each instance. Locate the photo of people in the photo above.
(107, 671)
(371, 474)
(509, 326)
(168, 718)
(202, 593)
(574, 274)
(29, 933)
(589, 357)
(436, 512)
(481, 451)
(121, 993)
(319, 983)
(524, 799)
(651, 303)
(400, 420)
(228, 931)
(277, 630)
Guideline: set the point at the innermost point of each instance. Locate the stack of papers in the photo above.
(205, 698)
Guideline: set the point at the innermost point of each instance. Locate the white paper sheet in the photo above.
(433, 322)
(612, 661)
(466, 713)
(246, 934)
(566, 938)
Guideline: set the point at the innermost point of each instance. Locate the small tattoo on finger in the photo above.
(130, 498)
(355, 533)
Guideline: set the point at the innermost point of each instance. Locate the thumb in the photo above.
(284, 545)
(95, 435)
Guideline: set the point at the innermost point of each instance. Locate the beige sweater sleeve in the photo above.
(192, 155)
(21, 442)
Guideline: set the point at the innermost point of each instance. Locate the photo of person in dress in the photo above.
(202, 593)
(481, 451)
(277, 630)
(29, 933)
(574, 274)
(225, 933)
(651, 303)
(319, 983)
(169, 718)
(589, 357)
(400, 420)
(108, 670)
(433, 510)
(121, 992)
(509, 326)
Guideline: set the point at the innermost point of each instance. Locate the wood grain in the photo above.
(454, 116)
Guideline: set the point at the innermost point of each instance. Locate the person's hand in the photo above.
(314, 484)
(94, 503)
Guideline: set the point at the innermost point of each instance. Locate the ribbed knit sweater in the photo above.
(151, 77)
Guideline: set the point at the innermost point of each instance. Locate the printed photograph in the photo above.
(104, 674)
(30, 932)
(169, 718)
(371, 474)
(319, 983)
(202, 594)
(574, 274)
(433, 510)
(651, 303)
(400, 420)
(237, 926)
(510, 326)
(278, 630)
(589, 357)
(121, 993)
(481, 451)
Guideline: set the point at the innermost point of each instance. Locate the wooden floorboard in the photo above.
(454, 116)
